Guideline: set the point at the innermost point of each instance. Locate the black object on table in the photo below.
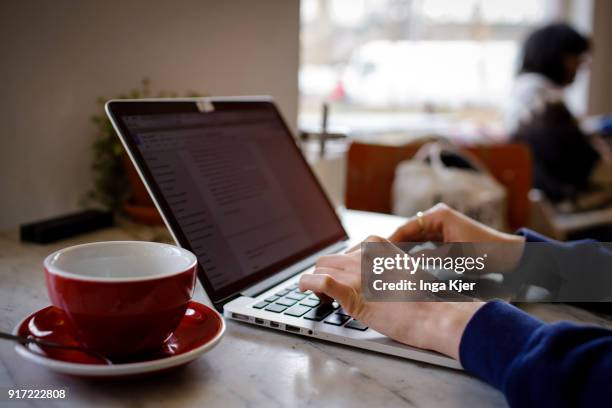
(66, 226)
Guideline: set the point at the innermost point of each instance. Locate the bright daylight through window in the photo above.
(412, 66)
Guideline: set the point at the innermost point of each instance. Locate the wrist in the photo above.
(510, 238)
(507, 254)
(447, 323)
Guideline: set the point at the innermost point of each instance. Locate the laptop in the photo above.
(232, 186)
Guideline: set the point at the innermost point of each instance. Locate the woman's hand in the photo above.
(429, 325)
(443, 224)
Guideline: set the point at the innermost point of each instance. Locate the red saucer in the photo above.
(200, 330)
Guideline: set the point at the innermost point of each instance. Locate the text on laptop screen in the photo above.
(238, 188)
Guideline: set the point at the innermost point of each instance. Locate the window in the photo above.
(411, 66)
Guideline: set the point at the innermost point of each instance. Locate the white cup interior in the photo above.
(120, 261)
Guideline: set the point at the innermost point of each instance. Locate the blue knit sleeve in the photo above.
(537, 364)
(574, 271)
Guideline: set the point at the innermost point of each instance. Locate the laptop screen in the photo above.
(233, 185)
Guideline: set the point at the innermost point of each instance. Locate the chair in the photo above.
(371, 169)
(547, 220)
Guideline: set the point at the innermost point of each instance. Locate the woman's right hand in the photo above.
(430, 325)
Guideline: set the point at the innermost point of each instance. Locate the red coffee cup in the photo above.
(123, 297)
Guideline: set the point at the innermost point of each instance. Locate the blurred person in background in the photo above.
(565, 157)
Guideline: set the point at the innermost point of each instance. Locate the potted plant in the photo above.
(117, 185)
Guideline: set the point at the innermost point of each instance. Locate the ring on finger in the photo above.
(420, 220)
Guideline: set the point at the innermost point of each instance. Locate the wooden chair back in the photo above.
(371, 169)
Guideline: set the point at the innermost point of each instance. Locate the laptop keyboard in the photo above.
(292, 302)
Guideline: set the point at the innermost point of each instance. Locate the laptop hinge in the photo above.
(262, 286)
(219, 303)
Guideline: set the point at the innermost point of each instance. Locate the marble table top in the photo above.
(252, 366)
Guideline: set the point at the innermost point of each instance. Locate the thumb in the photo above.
(371, 238)
(329, 286)
(409, 232)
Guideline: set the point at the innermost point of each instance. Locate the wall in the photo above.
(600, 90)
(59, 56)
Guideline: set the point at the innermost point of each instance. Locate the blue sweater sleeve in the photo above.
(537, 364)
(575, 271)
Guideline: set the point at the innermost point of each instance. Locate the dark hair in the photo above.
(546, 47)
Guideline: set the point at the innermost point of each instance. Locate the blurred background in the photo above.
(343, 72)
(421, 65)
(60, 57)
